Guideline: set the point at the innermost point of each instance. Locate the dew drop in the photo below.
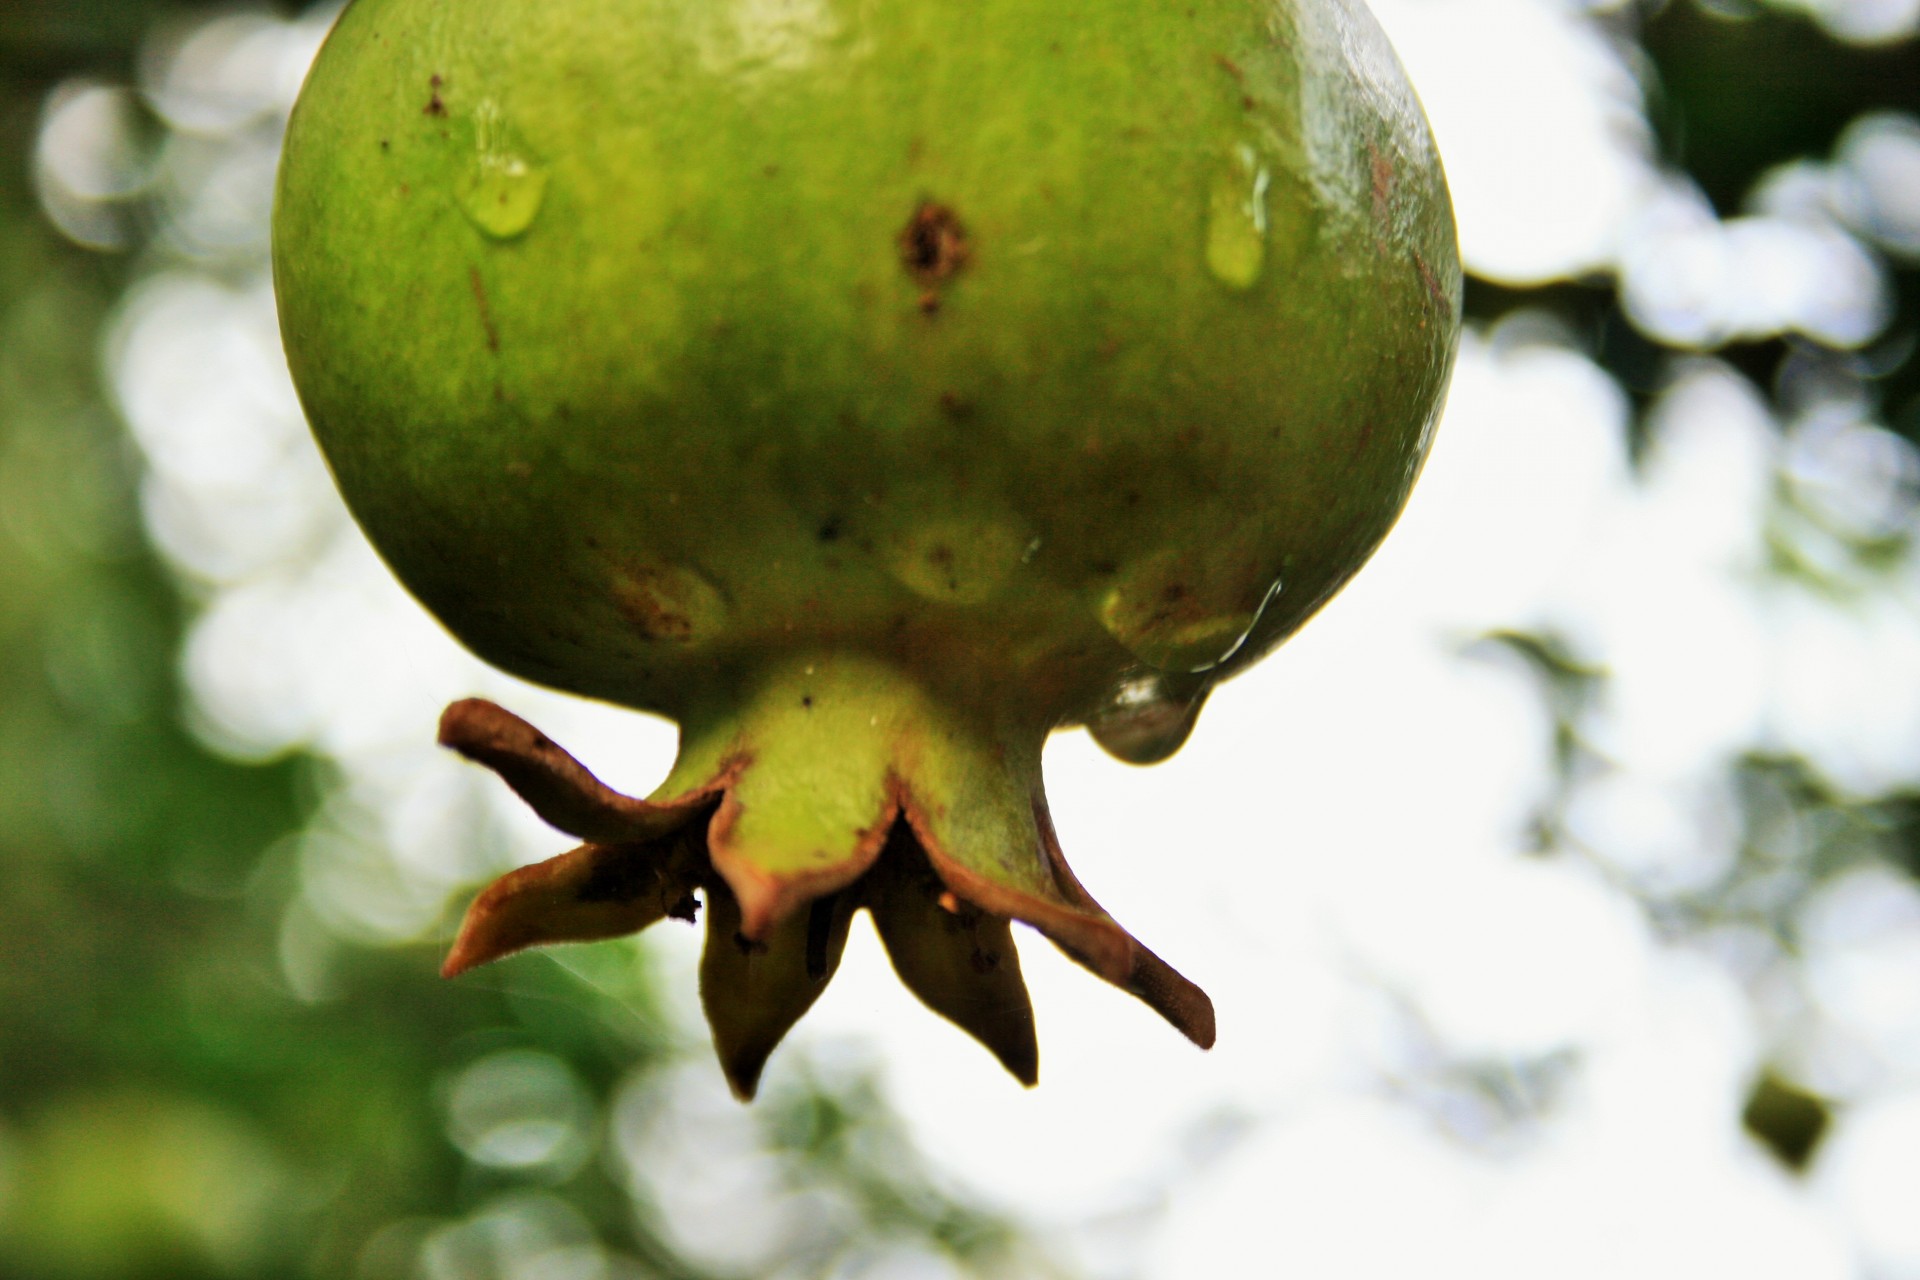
(958, 560)
(502, 190)
(1145, 720)
(1169, 616)
(1237, 220)
(671, 604)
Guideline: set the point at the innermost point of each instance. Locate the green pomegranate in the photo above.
(872, 387)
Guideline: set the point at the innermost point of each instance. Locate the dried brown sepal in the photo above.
(594, 892)
(1146, 976)
(754, 991)
(1073, 921)
(555, 785)
(957, 959)
(944, 921)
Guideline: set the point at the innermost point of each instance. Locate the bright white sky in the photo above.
(1339, 854)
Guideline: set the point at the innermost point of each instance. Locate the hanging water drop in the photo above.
(502, 190)
(1175, 613)
(1146, 719)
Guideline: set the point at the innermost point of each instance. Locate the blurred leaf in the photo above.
(1787, 1119)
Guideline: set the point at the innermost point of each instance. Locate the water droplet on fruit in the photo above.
(957, 561)
(1167, 614)
(1145, 720)
(502, 191)
(668, 603)
(1237, 220)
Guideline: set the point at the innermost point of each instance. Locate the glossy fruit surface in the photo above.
(872, 386)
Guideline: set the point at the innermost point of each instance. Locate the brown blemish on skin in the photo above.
(486, 311)
(1434, 291)
(434, 107)
(1382, 167)
(650, 609)
(1229, 66)
(933, 246)
(940, 558)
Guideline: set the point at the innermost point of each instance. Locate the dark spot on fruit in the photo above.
(1131, 497)
(1229, 66)
(592, 542)
(385, 145)
(806, 700)
(772, 170)
(829, 529)
(933, 245)
(434, 107)
(956, 406)
(929, 302)
(486, 311)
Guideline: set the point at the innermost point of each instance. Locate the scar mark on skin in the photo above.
(486, 310)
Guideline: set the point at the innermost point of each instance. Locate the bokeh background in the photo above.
(1557, 887)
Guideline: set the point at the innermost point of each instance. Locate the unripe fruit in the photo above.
(872, 386)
